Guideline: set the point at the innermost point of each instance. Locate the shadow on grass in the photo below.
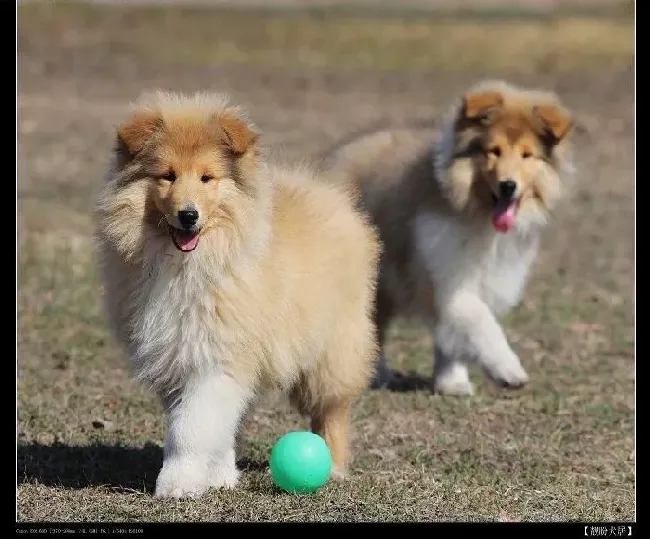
(117, 467)
(407, 382)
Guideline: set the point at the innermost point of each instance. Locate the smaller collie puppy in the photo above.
(460, 213)
(226, 277)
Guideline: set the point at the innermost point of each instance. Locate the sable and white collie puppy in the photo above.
(460, 211)
(226, 277)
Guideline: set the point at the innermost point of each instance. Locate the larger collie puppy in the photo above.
(460, 212)
(226, 277)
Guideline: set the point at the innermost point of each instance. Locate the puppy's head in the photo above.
(197, 157)
(504, 153)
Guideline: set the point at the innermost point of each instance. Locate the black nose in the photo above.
(507, 188)
(188, 218)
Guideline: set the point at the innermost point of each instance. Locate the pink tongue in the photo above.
(503, 217)
(186, 241)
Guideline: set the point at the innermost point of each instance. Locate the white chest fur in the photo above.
(173, 328)
(473, 258)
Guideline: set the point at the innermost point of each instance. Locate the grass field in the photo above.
(89, 440)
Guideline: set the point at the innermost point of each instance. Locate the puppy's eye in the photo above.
(495, 151)
(206, 178)
(526, 154)
(169, 176)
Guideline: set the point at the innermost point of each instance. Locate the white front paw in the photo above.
(453, 379)
(224, 476)
(181, 479)
(185, 479)
(449, 385)
(508, 372)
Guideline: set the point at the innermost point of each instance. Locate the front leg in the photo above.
(450, 374)
(467, 330)
(200, 444)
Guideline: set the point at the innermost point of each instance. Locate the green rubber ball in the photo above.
(300, 462)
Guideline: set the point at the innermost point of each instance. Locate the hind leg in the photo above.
(384, 375)
(329, 415)
(333, 424)
(327, 393)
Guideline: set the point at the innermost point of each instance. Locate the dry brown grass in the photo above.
(89, 441)
(320, 39)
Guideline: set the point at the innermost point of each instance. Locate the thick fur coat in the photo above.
(227, 277)
(461, 210)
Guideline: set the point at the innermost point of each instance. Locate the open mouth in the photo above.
(504, 213)
(184, 240)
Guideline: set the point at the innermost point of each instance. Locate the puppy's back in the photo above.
(377, 160)
(318, 223)
(392, 172)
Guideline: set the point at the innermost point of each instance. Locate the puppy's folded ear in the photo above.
(236, 134)
(135, 132)
(556, 123)
(481, 105)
